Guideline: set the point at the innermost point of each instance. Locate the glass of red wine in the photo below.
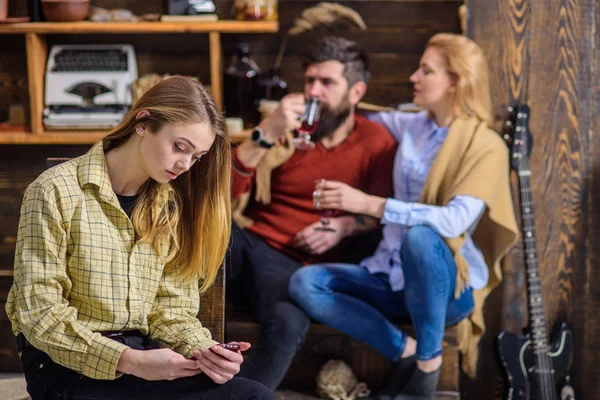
(310, 121)
(325, 221)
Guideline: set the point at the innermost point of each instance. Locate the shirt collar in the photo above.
(93, 171)
(434, 130)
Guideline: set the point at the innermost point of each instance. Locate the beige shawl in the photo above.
(473, 161)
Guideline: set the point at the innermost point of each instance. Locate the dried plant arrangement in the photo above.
(323, 16)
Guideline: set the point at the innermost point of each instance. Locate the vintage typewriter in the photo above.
(88, 86)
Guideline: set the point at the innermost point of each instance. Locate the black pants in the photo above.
(261, 274)
(47, 380)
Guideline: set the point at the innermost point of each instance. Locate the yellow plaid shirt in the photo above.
(79, 271)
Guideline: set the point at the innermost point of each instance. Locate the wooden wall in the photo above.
(540, 53)
(544, 54)
(398, 31)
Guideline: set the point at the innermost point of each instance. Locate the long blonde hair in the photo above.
(466, 63)
(188, 220)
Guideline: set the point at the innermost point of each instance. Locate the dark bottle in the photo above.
(35, 10)
(239, 85)
(271, 86)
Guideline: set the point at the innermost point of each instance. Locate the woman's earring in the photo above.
(140, 131)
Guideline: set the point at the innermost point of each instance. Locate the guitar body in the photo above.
(519, 361)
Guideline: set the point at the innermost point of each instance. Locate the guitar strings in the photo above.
(545, 378)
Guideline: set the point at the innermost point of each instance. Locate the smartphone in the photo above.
(229, 346)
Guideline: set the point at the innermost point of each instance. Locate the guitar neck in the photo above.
(537, 317)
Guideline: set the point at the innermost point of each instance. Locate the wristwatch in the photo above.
(258, 137)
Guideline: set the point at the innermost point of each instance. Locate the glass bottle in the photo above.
(240, 86)
(271, 86)
(256, 10)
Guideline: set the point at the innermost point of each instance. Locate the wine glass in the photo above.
(325, 221)
(310, 121)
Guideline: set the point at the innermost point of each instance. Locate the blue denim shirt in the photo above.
(420, 140)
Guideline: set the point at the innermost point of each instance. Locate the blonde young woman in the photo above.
(449, 222)
(110, 250)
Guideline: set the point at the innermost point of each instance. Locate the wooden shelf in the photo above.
(224, 26)
(37, 52)
(74, 138)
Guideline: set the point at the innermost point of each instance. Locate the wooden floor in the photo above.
(13, 387)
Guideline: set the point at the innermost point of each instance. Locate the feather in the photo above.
(328, 16)
(323, 16)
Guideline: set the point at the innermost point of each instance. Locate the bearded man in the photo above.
(283, 237)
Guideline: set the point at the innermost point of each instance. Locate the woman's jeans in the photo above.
(360, 304)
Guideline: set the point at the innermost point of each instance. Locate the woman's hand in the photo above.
(220, 364)
(156, 365)
(336, 195)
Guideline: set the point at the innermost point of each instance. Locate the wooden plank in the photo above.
(389, 83)
(560, 95)
(50, 138)
(391, 39)
(589, 342)
(10, 204)
(85, 27)
(73, 138)
(560, 123)
(216, 79)
(9, 362)
(36, 65)
(501, 28)
(385, 39)
(507, 54)
(224, 7)
(323, 344)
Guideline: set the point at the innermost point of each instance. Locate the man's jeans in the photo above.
(350, 299)
(258, 274)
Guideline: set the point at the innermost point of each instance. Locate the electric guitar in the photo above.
(536, 369)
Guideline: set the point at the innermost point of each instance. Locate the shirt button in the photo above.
(41, 366)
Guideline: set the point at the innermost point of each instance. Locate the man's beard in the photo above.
(330, 119)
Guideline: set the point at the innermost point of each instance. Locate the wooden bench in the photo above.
(323, 344)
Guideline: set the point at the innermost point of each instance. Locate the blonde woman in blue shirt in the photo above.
(433, 263)
(110, 251)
